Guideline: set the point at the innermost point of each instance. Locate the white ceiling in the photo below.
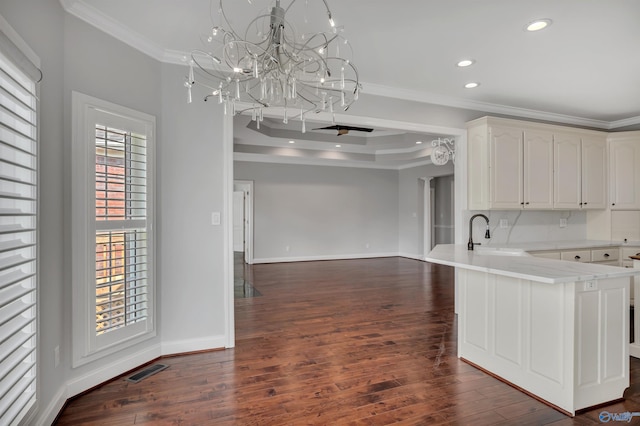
(584, 68)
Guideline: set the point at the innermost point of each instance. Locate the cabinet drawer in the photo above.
(629, 251)
(546, 254)
(602, 255)
(577, 255)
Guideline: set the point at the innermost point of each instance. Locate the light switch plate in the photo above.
(563, 223)
(504, 223)
(215, 218)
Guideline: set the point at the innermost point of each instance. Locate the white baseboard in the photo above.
(107, 372)
(111, 370)
(324, 257)
(412, 256)
(93, 378)
(193, 345)
(46, 417)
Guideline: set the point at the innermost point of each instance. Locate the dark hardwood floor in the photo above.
(337, 342)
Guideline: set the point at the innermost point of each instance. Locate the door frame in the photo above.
(247, 187)
(460, 135)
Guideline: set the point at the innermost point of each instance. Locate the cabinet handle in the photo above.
(580, 203)
(522, 204)
(577, 258)
(606, 255)
(613, 204)
(585, 204)
(527, 203)
(637, 254)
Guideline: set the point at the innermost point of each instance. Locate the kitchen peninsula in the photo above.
(556, 329)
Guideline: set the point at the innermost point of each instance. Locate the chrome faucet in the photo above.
(487, 235)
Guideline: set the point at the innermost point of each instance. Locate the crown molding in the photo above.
(631, 121)
(431, 98)
(105, 23)
(94, 17)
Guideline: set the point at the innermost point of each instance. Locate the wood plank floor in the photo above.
(368, 342)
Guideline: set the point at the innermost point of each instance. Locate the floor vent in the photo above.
(150, 371)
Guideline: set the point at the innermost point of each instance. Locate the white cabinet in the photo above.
(521, 168)
(515, 164)
(580, 171)
(594, 172)
(538, 169)
(624, 171)
(567, 165)
(505, 167)
(565, 343)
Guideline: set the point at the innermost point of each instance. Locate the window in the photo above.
(18, 241)
(112, 224)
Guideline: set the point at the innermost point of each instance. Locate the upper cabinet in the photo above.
(594, 172)
(520, 165)
(580, 171)
(624, 166)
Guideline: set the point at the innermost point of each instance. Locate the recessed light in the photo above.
(538, 24)
(418, 142)
(465, 63)
(292, 141)
(338, 146)
(471, 85)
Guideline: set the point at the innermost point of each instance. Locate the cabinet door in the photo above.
(594, 173)
(505, 167)
(538, 170)
(567, 171)
(624, 174)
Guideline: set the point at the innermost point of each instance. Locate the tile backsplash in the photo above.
(529, 226)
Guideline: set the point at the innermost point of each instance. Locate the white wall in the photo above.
(191, 187)
(321, 212)
(411, 211)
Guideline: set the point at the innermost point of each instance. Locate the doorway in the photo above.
(438, 201)
(242, 225)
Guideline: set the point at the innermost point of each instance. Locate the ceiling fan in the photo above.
(343, 130)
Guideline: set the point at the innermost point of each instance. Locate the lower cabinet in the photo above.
(602, 256)
(565, 343)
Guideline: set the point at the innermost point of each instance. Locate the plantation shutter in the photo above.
(121, 228)
(18, 238)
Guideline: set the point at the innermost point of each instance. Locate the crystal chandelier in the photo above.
(267, 62)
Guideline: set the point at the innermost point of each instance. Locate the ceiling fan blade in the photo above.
(347, 128)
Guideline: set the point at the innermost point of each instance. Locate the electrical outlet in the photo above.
(366, 245)
(56, 356)
(286, 248)
(563, 223)
(590, 285)
(504, 223)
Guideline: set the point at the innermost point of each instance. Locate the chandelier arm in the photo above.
(221, 76)
(224, 16)
(325, 5)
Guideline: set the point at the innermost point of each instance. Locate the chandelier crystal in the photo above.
(265, 61)
(443, 150)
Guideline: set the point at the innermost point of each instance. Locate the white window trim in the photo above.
(86, 347)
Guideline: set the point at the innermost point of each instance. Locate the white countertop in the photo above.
(564, 245)
(525, 266)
